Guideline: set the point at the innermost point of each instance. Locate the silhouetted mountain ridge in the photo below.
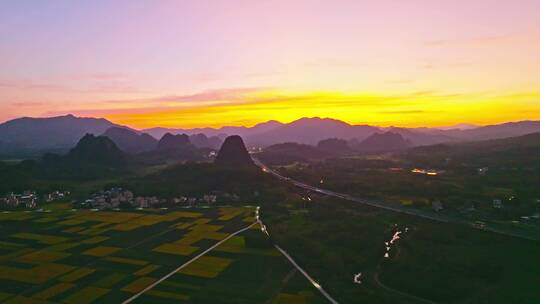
(233, 153)
(37, 132)
(200, 140)
(383, 142)
(173, 142)
(98, 150)
(220, 132)
(513, 152)
(130, 141)
(335, 146)
(92, 157)
(30, 137)
(173, 148)
(310, 131)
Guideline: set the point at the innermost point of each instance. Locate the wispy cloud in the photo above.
(234, 94)
(405, 112)
(487, 40)
(81, 84)
(205, 98)
(399, 81)
(29, 85)
(28, 104)
(229, 96)
(474, 41)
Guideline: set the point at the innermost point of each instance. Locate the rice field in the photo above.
(83, 256)
(244, 269)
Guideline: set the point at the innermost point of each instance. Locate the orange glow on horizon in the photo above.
(422, 109)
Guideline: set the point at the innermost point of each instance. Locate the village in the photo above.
(118, 198)
(30, 199)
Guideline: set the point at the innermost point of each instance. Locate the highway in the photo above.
(346, 196)
(403, 210)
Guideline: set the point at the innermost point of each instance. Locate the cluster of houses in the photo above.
(437, 206)
(30, 199)
(122, 198)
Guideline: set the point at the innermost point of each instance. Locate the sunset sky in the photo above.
(214, 63)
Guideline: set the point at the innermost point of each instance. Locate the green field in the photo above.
(245, 269)
(433, 262)
(66, 256)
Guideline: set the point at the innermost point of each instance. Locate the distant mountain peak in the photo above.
(335, 146)
(319, 120)
(200, 140)
(311, 130)
(98, 149)
(383, 142)
(173, 142)
(459, 126)
(130, 141)
(266, 124)
(233, 152)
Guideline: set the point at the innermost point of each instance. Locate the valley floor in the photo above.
(81, 256)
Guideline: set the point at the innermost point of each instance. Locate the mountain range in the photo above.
(220, 132)
(514, 153)
(31, 137)
(176, 147)
(286, 153)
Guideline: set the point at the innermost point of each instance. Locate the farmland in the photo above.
(81, 256)
(431, 262)
(244, 269)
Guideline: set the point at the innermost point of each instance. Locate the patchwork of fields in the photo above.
(107, 257)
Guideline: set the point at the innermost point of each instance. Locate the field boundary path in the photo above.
(293, 262)
(134, 297)
(308, 277)
(401, 293)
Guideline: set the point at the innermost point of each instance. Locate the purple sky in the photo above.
(109, 56)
